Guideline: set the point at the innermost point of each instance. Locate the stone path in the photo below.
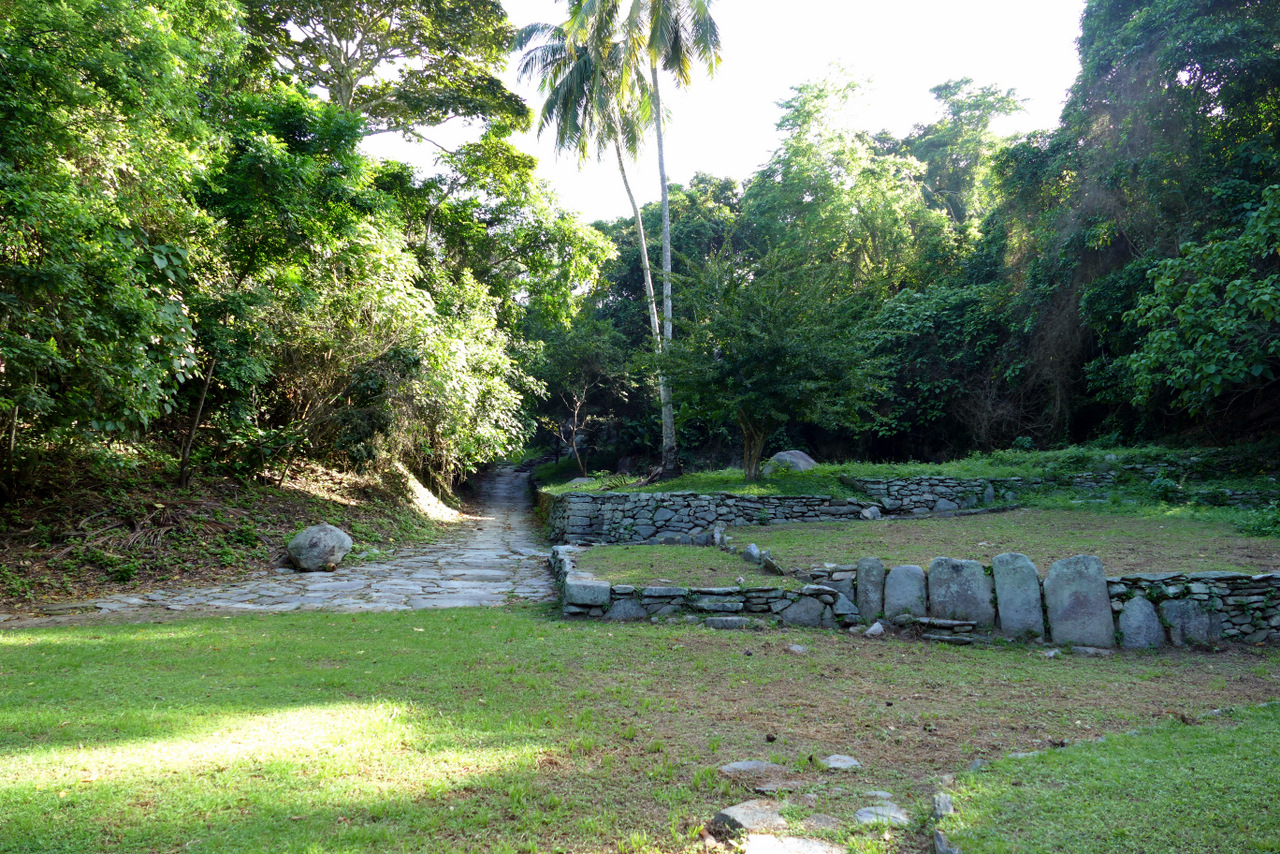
(494, 557)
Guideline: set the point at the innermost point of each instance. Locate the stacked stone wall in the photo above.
(962, 601)
(684, 518)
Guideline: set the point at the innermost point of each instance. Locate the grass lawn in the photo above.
(1159, 542)
(508, 730)
(1201, 789)
(676, 565)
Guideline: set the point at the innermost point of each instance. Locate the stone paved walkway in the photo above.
(493, 557)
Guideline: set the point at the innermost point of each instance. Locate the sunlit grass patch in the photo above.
(508, 730)
(1204, 788)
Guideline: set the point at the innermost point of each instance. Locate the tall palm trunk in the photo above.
(664, 390)
(670, 458)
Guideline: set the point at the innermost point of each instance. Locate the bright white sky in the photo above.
(725, 125)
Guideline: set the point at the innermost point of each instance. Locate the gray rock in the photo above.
(764, 843)
(960, 590)
(875, 631)
(1017, 586)
(797, 649)
(870, 590)
(844, 607)
(1190, 622)
(904, 592)
(774, 786)
(805, 611)
(788, 461)
(1139, 625)
(945, 505)
(583, 589)
(756, 816)
(751, 553)
(770, 565)
(942, 845)
(1076, 599)
(989, 495)
(840, 762)
(626, 609)
(942, 805)
(727, 622)
(886, 813)
(320, 547)
(871, 514)
(878, 793)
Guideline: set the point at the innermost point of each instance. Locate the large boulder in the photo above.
(1139, 626)
(319, 548)
(1017, 582)
(870, 589)
(1077, 602)
(904, 592)
(788, 461)
(1190, 622)
(960, 590)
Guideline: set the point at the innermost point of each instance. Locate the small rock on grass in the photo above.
(1051, 653)
(942, 805)
(758, 843)
(819, 821)
(978, 764)
(876, 630)
(775, 786)
(840, 762)
(876, 793)
(797, 649)
(1092, 651)
(884, 813)
(755, 816)
(942, 845)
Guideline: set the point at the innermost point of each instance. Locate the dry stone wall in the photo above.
(682, 518)
(956, 601)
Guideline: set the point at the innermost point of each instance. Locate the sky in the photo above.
(725, 125)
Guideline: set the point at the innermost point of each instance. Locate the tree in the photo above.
(580, 361)
(670, 34)
(97, 171)
(766, 345)
(594, 98)
(442, 55)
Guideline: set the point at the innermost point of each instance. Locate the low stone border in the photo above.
(584, 595)
(961, 601)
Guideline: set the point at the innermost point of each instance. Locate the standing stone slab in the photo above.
(1189, 622)
(870, 589)
(904, 592)
(1076, 599)
(961, 590)
(1139, 626)
(1018, 602)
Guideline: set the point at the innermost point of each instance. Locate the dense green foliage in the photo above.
(1113, 277)
(194, 252)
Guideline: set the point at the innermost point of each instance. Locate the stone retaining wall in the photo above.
(684, 518)
(959, 601)
(584, 595)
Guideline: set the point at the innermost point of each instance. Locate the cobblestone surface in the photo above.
(495, 557)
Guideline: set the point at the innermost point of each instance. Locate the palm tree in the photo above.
(593, 98)
(653, 33)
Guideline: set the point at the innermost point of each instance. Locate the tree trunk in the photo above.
(184, 467)
(670, 456)
(753, 439)
(644, 252)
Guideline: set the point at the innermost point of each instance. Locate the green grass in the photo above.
(507, 730)
(1125, 542)
(1198, 789)
(679, 566)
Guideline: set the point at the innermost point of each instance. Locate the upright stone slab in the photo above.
(960, 590)
(1190, 622)
(1076, 599)
(1019, 608)
(904, 592)
(870, 598)
(1139, 626)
